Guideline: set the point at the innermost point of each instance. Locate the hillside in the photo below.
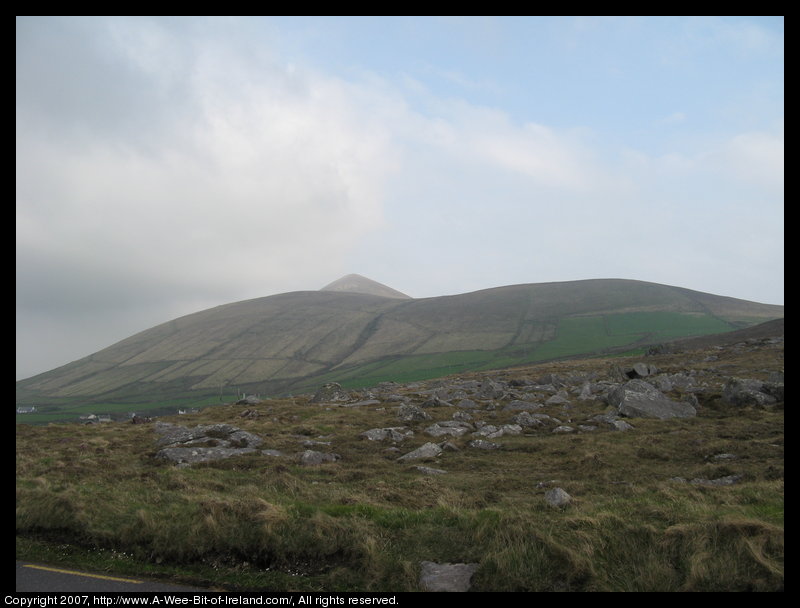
(561, 476)
(295, 341)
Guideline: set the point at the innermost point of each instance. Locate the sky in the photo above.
(168, 165)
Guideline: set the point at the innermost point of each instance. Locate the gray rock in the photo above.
(446, 577)
(430, 471)
(428, 450)
(519, 405)
(728, 480)
(747, 392)
(393, 433)
(557, 497)
(559, 398)
(440, 429)
(192, 455)
(491, 390)
(482, 444)
(638, 399)
(203, 443)
(313, 458)
(411, 413)
(332, 392)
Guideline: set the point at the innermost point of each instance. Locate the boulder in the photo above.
(428, 450)
(446, 577)
(411, 413)
(203, 443)
(393, 433)
(313, 458)
(557, 497)
(747, 392)
(638, 399)
(332, 392)
(440, 429)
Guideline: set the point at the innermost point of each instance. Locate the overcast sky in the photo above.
(167, 165)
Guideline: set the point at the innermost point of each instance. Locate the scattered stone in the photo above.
(430, 471)
(638, 399)
(557, 497)
(411, 413)
(394, 433)
(482, 444)
(563, 429)
(428, 450)
(728, 480)
(203, 443)
(559, 398)
(751, 393)
(519, 405)
(441, 429)
(188, 455)
(446, 577)
(332, 392)
(313, 458)
(436, 401)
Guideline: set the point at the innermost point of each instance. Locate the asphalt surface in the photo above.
(40, 578)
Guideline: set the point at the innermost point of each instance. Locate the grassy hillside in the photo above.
(291, 343)
(643, 516)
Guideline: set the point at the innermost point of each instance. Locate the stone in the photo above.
(203, 443)
(639, 399)
(393, 433)
(557, 497)
(428, 450)
(747, 392)
(482, 444)
(332, 392)
(439, 430)
(190, 455)
(728, 480)
(430, 471)
(446, 577)
(519, 405)
(313, 458)
(411, 413)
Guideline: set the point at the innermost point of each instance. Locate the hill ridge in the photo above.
(294, 341)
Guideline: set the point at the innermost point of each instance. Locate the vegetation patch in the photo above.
(691, 504)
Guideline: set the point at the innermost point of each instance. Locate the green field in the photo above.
(574, 336)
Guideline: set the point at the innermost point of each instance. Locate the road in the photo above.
(48, 579)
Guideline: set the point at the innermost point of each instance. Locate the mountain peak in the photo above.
(355, 283)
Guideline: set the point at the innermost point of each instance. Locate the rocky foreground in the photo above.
(476, 412)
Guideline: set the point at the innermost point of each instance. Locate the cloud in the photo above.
(168, 165)
(239, 167)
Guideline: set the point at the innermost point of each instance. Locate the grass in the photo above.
(95, 496)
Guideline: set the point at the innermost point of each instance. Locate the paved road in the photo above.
(47, 579)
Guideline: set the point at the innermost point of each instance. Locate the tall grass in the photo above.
(366, 521)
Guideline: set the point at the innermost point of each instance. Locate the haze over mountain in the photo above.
(357, 331)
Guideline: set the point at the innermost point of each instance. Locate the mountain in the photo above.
(355, 283)
(294, 342)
